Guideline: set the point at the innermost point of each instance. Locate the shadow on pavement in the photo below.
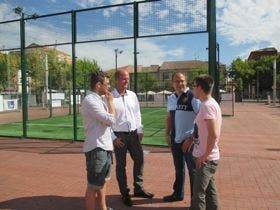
(57, 146)
(51, 202)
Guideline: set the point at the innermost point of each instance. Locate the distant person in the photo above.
(129, 131)
(182, 108)
(98, 116)
(206, 150)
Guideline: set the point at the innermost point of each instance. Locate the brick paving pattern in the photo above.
(50, 175)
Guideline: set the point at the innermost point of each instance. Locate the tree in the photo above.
(9, 66)
(147, 81)
(249, 73)
(35, 70)
(194, 72)
(59, 71)
(84, 67)
(3, 71)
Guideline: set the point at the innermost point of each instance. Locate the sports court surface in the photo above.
(60, 126)
(50, 175)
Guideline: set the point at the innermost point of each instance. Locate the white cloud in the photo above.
(9, 32)
(149, 53)
(89, 3)
(6, 12)
(40, 33)
(198, 13)
(178, 6)
(163, 13)
(245, 54)
(176, 52)
(103, 52)
(249, 21)
(107, 33)
(177, 27)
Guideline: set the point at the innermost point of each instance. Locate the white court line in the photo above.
(55, 125)
(152, 112)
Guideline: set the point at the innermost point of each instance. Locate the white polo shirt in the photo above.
(128, 115)
(97, 123)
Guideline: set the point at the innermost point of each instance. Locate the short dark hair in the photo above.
(206, 83)
(96, 77)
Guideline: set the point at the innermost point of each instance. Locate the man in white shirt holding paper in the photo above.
(129, 131)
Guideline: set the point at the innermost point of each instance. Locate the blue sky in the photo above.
(242, 26)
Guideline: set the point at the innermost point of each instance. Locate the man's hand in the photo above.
(187, 144)
(168, 140)
(118, 143)
(140, 136)
(109, 96)
(111, 107)
(200, 162)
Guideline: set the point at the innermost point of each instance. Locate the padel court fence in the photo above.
(40, 80)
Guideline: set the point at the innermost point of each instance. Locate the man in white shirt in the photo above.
(129, 131)
(98, 116)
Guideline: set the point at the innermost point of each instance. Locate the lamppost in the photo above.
(117, 51)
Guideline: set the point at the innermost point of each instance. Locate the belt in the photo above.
(125, 132)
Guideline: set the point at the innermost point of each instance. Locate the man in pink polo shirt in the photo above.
(206, 150)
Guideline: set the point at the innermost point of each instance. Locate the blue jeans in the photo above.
(179, 159)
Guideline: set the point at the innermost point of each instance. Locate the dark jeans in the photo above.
(131, 144)
(205, 193)
(179, 159)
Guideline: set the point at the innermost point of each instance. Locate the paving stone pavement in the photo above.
(50, 175)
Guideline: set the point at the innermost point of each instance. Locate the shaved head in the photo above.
(120, 73)
(122, 80)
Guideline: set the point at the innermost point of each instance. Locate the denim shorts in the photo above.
(98, 165)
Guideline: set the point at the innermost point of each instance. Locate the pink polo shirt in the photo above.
(209, 109)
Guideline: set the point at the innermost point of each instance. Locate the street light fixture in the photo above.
(117, 51)
(18, 10)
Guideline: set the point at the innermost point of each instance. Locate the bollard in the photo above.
(268, 99)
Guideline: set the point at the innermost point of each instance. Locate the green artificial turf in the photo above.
(61, 127)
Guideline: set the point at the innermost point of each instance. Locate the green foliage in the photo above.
(242, 69)
(3, 71)
(9, 66)
(147, 81)
(60, 71)
(84, 68)
(35, 69)
(194, 72)
(247, 73)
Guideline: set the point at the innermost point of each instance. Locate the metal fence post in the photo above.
(74, 40)
(212, 63)
(23, 77)
(135, 7)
